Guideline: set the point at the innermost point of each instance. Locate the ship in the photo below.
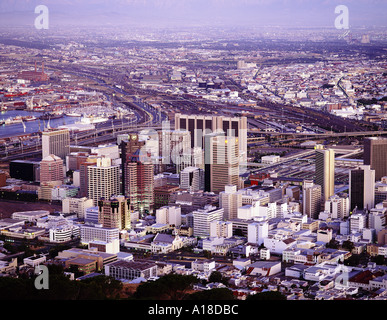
(93, 119)
(29, 118)
(50, 116)
(73, 114)
(14, 120)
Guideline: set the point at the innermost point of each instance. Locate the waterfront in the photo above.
(31, 126)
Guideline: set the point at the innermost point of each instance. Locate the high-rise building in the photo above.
(83, 175)
(128, 147)
(192, 179)
(139, 182)
(175, 148)
(230, 200)
(202, 219)
(221, 165)
(362, 188)
(103, 180)
(169, 215)
(325, 172)
(57, 142)
(337, 206)
(114, 212)
(51, 169)
(311, 199)
(200, 125)
(375, 155)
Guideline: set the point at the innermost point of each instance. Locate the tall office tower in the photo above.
(221, 162)
(128, 147)
(114, 212)
(325, 172)
(199, 125)
(202, 219)
(103, 180)
(337, 206)
(192, 179)
(169, 215)
(230, 200)
(362, 188)
(375, 155)
(139, 183)
(311, 199)
(51, 169)
(83, 175)
(57, 142)
(175, 148)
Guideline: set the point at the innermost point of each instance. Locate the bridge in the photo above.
(94, 137)
(301, 136)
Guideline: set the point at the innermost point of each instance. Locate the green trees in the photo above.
(169, 287)
(60, 287)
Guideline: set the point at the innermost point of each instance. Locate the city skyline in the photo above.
(193, 150)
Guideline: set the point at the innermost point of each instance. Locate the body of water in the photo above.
(31, 126)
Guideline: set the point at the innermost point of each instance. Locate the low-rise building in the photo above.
(130, 270)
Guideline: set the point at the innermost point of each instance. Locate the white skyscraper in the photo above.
(325, 172)
(230, 200)
(103, 180)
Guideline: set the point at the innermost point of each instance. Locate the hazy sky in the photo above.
(227, 12)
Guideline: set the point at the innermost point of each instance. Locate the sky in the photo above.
(298, 13)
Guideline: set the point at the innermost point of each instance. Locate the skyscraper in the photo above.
(51, 169)
(175, 148)
(103, 180)
(375, 155)
(192, 179)
(200, 125)
(311, 197)
(128, 147)
(325, 172)
(362, 188)
(57, 142)
(230, 200)
(139, 182)
(83, 175)
(221, 162)
(114, 212)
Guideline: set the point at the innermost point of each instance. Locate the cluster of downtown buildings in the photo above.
(189, 184)
(124, 197)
